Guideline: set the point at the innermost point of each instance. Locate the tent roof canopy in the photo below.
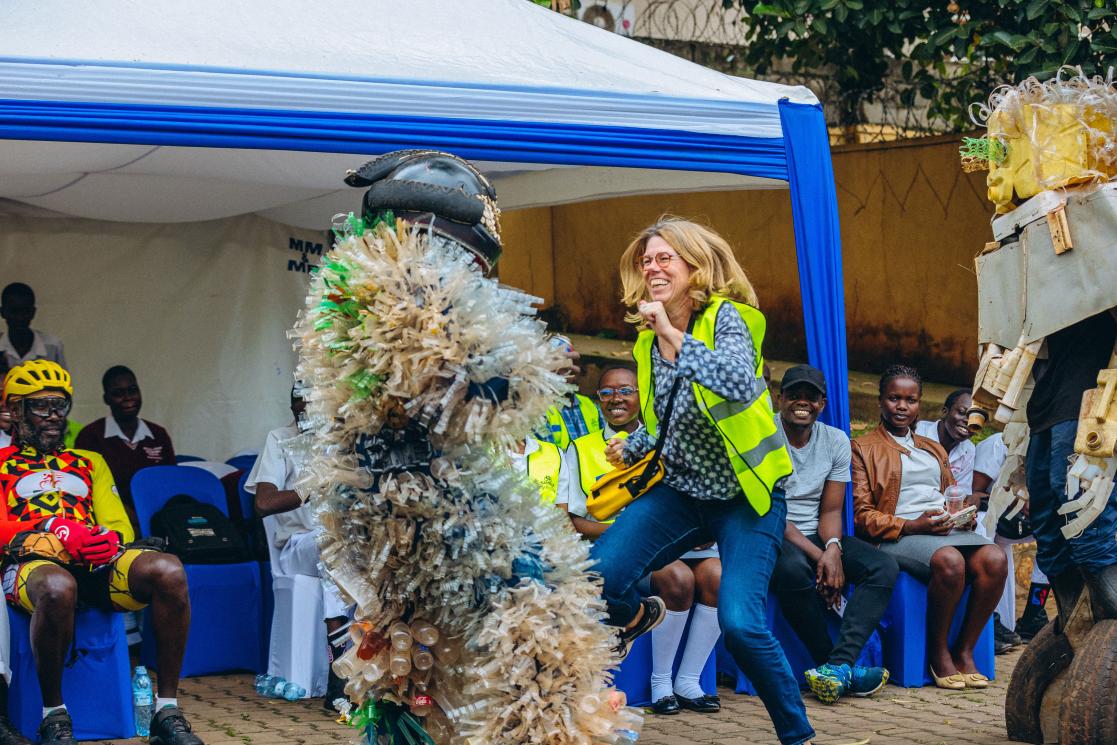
(160, 112)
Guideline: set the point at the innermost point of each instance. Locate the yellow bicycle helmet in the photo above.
(34, 376)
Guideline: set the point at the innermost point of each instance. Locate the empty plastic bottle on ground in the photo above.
(293, 691)
(142, 701)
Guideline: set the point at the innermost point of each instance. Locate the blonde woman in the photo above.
(724, 458)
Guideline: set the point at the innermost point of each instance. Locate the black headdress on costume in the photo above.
(436, 191)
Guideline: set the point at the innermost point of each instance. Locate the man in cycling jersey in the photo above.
(67, 538)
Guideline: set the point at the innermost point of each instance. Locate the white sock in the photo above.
(161, 703)
(665, 643)
(48, 710)
(704, 633)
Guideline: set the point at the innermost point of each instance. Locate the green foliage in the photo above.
(950, 53)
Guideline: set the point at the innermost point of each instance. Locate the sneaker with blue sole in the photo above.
(865, 681)
(828, 682)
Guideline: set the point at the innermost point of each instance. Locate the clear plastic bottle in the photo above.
(626, 737)
(422, 658)
(400, 635)
(276, 689)
(424, 632)
(143, 701)
(400, 664)
(293, 691)
(263, 682)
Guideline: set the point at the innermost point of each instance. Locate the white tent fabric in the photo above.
(350, 57)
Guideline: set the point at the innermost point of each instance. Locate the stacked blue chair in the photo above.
(796, 652)
(634, 676)
(242, 462)
(101, 666)
(226, 621)
(905, 635)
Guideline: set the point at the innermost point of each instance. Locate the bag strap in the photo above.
(653, 464)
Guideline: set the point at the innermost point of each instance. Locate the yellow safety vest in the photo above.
(592, 463)
(543, 468)
(756, 448)
(560, 435)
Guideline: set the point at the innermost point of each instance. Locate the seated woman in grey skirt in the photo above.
(898, 482)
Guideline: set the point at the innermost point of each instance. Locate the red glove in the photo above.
(101, 547)
(72, 534)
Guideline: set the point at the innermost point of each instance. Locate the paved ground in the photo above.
(225, 710)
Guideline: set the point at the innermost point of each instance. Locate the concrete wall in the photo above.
(911, 224)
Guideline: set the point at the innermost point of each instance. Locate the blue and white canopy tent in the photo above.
(165, 113)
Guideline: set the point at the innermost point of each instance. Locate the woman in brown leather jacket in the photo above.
(898, 483)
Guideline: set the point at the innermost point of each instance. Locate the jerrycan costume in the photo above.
(1051, 151)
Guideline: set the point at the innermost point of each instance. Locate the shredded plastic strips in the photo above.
(1045, 135)
(476, 618)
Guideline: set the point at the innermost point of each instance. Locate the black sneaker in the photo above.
(57, 729)
(654, 613)
(9, 735)
(1003, 638)
(169, 727)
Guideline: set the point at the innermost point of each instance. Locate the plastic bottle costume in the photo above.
(1052, 265)
(476, 620)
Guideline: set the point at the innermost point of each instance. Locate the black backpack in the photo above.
(198, 533)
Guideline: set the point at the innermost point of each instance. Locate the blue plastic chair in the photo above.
(267, 598)
(225, 599)
(97, 689)
(187, 458)
(905, 635)
(794, 650)
(634, 676)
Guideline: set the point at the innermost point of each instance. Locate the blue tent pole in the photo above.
(818, 243)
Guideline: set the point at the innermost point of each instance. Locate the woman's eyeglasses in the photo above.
(606, 393)
(662, 260)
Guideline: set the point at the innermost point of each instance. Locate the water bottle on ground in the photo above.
(293, 691)
(142, 701)
(263, 683)
(626, 737)
(276, 688)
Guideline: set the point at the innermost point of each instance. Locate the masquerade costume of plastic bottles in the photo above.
(476, 620)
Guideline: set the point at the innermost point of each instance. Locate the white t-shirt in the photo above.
(991, 455)
(276, 466)
(961, 458)
(44, 346)
(919, 482)
(825, 457)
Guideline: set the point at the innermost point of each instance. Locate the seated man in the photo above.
(23, 343)
(126, 442)
(816, 560)
(690, 582)
(577, 416)
(69, 496)
(272, 482)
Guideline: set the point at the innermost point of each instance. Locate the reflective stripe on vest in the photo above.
(543, 468)
(756, 448)
(560, 434)
(592, 463)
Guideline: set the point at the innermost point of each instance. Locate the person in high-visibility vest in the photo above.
(723, 456)
(689, 582)
(542, 462)
(577, 415)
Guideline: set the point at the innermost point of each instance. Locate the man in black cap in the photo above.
(816, 560)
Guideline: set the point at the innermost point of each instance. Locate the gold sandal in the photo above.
(955, 682)
(975, 680)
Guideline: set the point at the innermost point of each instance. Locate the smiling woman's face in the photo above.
(899, 405)
(619, 408)
(666, 275)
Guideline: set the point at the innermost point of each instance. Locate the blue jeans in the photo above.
(1095, 549)
(661, 526)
